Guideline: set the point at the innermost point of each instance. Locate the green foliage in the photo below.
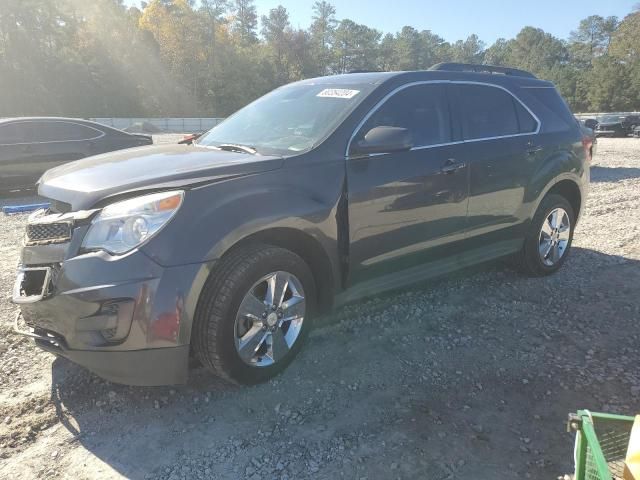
(592, 38)
(612, 88)
(188, 58)
(322, 34)
(470, 50)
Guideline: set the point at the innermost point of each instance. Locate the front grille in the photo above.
(45, 233)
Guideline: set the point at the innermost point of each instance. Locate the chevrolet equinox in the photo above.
(319, 193)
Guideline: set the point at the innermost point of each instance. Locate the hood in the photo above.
(85, 182)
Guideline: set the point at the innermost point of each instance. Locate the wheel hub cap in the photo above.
(270, 319)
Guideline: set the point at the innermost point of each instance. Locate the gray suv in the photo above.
(319, 193)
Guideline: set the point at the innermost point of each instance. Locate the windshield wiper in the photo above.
(232, 147)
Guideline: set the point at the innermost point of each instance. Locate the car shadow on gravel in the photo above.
(613, 174)
(477, 387)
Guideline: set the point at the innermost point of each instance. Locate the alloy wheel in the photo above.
(270, 319)
(554, 237)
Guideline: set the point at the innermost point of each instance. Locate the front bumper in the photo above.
(126, 318)
(148, 367)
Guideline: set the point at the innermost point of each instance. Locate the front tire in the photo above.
(549, 237)
(254, 313)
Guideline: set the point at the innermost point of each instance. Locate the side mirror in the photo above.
(383, 140)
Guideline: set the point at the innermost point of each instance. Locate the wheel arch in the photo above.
(570, 190)
(568, 186)
(306, 247)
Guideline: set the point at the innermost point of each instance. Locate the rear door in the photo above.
(501, 150)
(404, 205)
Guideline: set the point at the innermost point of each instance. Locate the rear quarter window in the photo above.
(551, 108)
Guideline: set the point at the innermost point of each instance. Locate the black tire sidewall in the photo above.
(532, 255)
(278, 260)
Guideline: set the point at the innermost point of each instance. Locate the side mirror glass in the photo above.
(383, 140)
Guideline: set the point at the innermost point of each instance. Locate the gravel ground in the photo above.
(471, 376)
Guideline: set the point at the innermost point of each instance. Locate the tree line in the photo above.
(182, 58)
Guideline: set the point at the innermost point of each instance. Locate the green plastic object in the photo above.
(601, 444)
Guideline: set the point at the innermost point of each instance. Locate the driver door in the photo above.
(409, 207)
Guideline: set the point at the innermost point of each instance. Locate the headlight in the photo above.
(125, 225)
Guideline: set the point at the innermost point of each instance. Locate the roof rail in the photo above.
(472, 67)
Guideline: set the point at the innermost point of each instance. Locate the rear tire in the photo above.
(243, 276)
(546, 247)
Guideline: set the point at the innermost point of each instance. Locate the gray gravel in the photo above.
(466, 377)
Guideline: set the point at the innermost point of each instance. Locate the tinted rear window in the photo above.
(487, 112)
(556, 114)
(527, 123)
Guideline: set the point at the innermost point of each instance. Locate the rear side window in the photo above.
(556, 115)
(527, 123)
(487, 112)
(34, 132)
(422, 109)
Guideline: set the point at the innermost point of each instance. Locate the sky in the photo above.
(455, 20)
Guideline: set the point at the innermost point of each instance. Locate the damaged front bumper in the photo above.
(148, 367)
(126, 318)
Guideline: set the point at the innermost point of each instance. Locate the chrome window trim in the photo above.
(378, 105)
(102, 134)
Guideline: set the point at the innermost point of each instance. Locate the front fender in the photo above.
(216, 217)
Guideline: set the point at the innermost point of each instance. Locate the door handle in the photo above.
(452, 166)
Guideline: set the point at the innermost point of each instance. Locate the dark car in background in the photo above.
(617, 125)
(591, 123)
(610, 126)
(31, 146)
(317, 194)
(631, 122)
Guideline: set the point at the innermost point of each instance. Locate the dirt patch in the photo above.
(468, 377)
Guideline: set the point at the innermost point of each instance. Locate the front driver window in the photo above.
(422, 109)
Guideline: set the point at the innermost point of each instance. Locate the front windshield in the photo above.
(289, 120)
